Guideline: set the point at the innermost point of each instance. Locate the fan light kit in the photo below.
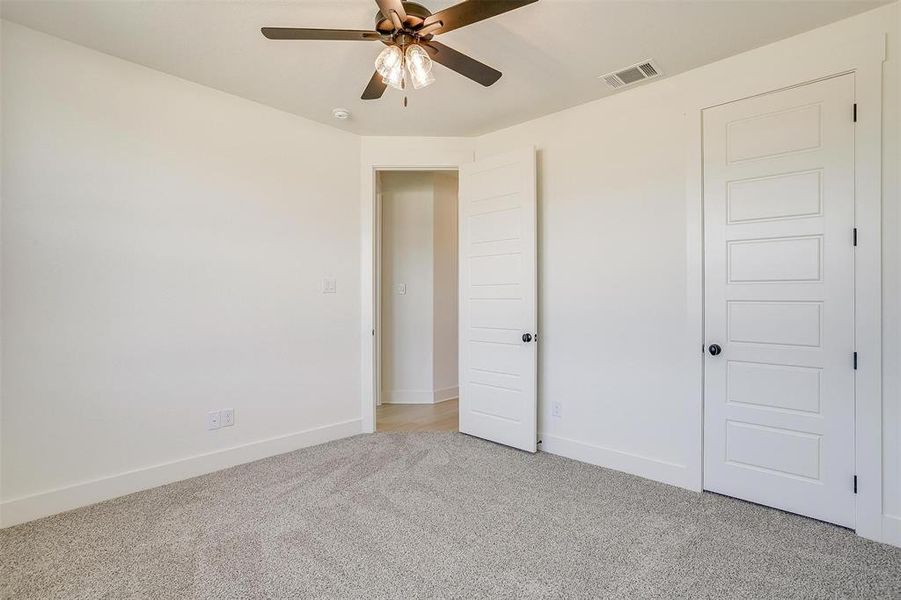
(392, 60)
(408, 30)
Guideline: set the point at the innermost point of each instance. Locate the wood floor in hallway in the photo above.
(418, 417)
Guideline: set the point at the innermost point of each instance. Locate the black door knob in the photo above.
(527, 337)
(714, 349)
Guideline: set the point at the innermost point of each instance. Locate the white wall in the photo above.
(163, 246)
(446, 369)
(408, 216)
(620, 346)
(419, 327)
(615, 349)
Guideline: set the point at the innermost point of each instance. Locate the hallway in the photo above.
(418, 417)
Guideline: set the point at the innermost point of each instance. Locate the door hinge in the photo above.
(855, 236)
(855, 484)
(855, 361)
(855, 112)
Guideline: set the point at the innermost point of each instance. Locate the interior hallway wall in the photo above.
(419, 287)
(408, 215)
(446, 279)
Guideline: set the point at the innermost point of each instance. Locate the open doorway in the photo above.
(497, 241)
(417, 301)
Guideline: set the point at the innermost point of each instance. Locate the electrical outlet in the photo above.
(329, 285)
(228, 417)
(401, 289)
(213, 420)
(556, 410)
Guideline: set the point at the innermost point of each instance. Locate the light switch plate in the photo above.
(401, 289)
(213, 420)
(329, 285)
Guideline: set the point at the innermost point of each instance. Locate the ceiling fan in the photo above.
(408, 30)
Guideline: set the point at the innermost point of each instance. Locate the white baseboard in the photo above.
(445, 394)
(634, 464)
(419, 396)
(407, 397)
(891, 530)
(28, 508)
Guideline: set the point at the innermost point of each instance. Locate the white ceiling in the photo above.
(550, 52)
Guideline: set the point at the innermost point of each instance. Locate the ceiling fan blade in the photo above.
(386, 7)
(299, 33)
(375, 88)
(472, 11)
(462, 64)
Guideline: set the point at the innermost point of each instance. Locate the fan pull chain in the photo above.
(403, 66)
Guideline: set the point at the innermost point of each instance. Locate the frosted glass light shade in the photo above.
(420, 80)
(388, 59)
(420, 66)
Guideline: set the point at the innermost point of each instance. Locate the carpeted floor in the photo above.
(435, 515)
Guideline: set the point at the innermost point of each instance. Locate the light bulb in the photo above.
(388, 59)
(420, 66)
(395, 76)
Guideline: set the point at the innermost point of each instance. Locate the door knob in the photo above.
(527, 337)
(714, 349)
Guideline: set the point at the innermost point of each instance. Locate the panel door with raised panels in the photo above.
(779, 285)
(498, 300)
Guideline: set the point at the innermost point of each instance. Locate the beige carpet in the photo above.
(435, 515)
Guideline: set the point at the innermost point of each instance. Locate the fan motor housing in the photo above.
(416, 14)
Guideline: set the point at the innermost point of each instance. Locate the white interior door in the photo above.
(779, 286)
(498, 300)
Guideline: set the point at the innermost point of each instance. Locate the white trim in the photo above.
(27, 508)
(694, 279)
(390, 154)
(445, 394)
(868, 293)
(891, 530)
(863, 57)
(609, 458)
(419, 396)
(408, 396)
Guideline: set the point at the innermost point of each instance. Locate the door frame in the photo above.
(389, 154)
(864, 58)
